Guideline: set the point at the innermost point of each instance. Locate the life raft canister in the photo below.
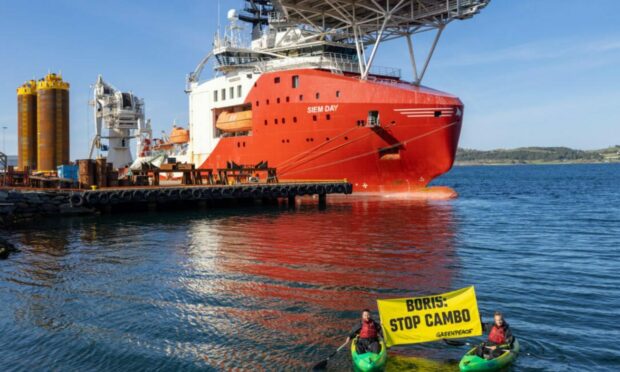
(497, 335)
(369, 330)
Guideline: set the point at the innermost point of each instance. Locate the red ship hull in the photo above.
(318, 129)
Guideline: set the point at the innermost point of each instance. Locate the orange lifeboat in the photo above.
(232, 122)
(179, 135)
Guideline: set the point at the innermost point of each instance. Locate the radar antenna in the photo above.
(257, 13)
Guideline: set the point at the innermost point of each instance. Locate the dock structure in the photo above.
(26, 203)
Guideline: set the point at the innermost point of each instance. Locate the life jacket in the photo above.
(497, 335)
(369, 329)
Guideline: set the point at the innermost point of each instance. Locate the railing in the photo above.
(336, 62)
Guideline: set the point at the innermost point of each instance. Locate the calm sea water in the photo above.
(277, 289)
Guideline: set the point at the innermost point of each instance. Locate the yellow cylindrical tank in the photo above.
(52, 122)
(27, 125)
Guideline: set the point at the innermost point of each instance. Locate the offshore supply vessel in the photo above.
(305, 96)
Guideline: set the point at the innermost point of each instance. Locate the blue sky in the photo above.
(530, 72)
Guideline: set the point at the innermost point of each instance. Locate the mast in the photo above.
(257, 13)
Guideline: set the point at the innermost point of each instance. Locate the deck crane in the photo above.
(122, 115)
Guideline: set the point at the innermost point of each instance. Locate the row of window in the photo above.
(287, 99)
(277, 121)
(294, 81)
(221, 94)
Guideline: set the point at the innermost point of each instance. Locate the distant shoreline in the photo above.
(537, 156)
(473, 163)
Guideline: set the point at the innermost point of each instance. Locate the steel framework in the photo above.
(371, 22)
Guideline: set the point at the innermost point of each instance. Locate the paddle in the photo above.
(323, 364)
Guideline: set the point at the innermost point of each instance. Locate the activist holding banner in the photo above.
(368, 333)
(500, 337)
(430, 318)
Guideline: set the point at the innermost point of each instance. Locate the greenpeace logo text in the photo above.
(455, 333)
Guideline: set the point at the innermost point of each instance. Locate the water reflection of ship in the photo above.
(300, 278)
(347, 248)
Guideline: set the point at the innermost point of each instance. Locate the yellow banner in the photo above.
(430, 318)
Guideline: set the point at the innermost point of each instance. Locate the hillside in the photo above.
(536, 155)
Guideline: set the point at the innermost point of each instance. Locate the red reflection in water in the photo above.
(364, 243)
(341, 259)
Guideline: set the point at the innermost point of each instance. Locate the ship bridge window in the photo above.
(223, 94)
(373, 118)
(295, 81)
(126, 100)
(239, 91)
(215, 95)
(232, 92)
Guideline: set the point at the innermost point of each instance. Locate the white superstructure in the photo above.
(121, 114)
(329, 35)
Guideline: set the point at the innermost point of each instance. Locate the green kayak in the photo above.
(472, 362)
(369, 361)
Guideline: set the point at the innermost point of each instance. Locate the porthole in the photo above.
(294, 119)
(317, 95)
(283, 120)
(278, 100)
(337, 94)
(301, 97)
(328, 117)
(313, 117)
(265, 121)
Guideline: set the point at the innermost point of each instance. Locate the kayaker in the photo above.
(369, 332)
(499, 335)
